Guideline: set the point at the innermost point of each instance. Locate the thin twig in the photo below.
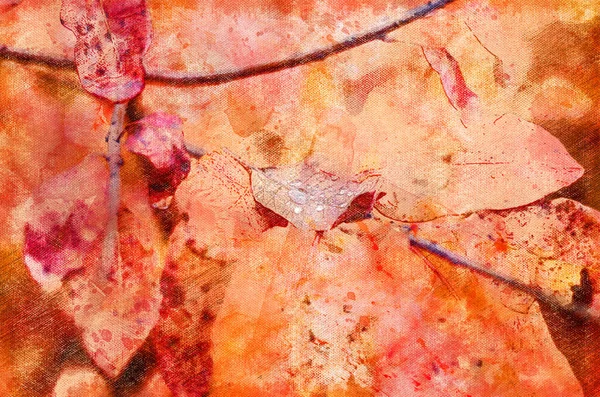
(578, 310)
(110, 248)
(193, 150)
(28, 57)
(353, 41)
(190, 79)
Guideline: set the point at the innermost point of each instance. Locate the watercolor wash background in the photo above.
(217, 297)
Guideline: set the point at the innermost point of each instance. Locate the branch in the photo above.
(110, 248)
(190, 79)
(193, 150)
(28, 57)
(576, 309)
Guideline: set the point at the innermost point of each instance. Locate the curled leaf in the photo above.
(159, 139)
(313, 199)
(112, 37)
(459, 94)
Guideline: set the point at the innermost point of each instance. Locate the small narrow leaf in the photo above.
(459, 95)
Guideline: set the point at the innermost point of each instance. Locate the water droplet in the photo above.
(320, 207)
(297, 210)
(342, 191)
(297, 196)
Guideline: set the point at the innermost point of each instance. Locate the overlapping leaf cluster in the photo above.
(287, 270)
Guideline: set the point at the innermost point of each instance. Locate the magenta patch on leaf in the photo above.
(67, 220)
(159, 139)
(54, 243)
(112, 37)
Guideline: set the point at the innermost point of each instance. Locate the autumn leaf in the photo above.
(219, 210)
(297, 318)
(112, 37)
(516, 161)
(551, 246)
(313, 199)
(159, 139)
(66, 223)
(115, 308)
(193, 287)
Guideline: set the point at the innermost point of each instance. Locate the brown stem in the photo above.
(110, 248)
(193, 150)
(546, 300)
(190, 79)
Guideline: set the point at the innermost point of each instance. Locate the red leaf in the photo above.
(194, 287)
(159, 139)
(112, 37)
(182, 338)
(459, 95)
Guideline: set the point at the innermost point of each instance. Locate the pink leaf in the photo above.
(63, 245)
(219, 210)
(313, 199)
(112, 37)
(159, 139)
(116, 313)
(485, 162)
